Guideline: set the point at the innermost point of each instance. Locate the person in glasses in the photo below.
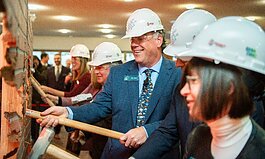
(216, 93)
(137, 94)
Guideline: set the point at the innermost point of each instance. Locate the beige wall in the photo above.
(65, 43)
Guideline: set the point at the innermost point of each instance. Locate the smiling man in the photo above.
(137, 94)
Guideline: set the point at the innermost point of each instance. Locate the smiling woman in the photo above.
(81, 75)
(218, 93)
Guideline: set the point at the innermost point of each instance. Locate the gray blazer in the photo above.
(120, 98)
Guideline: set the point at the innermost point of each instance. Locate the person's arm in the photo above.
(86, 96)
(82, 84)
(52, 91)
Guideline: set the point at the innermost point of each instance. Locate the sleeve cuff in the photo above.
(60, 101)
(145, 132)
(70, 113)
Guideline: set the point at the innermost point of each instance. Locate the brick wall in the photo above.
(15, 62)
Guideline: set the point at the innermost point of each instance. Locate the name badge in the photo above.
(131, 78)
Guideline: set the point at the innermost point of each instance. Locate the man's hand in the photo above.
(134, 138)
(51, 121)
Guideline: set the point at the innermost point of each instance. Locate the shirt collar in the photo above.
(155, 68)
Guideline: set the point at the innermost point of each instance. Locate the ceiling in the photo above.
(91, 13)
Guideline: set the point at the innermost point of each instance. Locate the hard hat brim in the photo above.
(93, 63)
(214, 56)
(173, 50)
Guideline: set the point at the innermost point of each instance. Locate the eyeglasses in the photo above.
(101, 68)
(143, 38)
(191, 80)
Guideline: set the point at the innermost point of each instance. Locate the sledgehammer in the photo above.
(78, 125)
(42, 145)
(36, 85)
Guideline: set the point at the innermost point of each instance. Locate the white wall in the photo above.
(65, 43)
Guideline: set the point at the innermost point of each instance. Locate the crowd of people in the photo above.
(209, 103)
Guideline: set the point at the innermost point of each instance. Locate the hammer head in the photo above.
(42, 143)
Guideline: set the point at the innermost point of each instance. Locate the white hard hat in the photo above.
(142, 21)
(80, 50)
(232, 40)
(186, 27)
(105, 52)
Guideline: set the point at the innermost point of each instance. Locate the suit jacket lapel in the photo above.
(164, 75)
(133, 89)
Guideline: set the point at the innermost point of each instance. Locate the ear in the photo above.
(159, 40)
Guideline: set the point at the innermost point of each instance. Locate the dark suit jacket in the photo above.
(120, 98)
(174, 129)
(51, 79)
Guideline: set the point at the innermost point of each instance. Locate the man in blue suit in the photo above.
(123, 89)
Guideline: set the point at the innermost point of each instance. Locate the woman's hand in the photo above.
(54, 99)
(45, 88)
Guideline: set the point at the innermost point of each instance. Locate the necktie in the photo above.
(57, 73)
(144, 98)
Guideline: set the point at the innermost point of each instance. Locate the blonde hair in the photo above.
(94, 81)
(83, 68)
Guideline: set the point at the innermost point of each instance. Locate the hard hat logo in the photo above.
(149, 23)
(251, 52)
(174, 35)
(131, 25)
(108, 56)
(218, 44)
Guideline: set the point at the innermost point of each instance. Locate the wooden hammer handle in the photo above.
(36, 85)
(59, 153)
(78, 125)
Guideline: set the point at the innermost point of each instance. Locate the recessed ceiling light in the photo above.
(106, 30)
(110, 36)
(261, 2)
(106, 26)
(65, 31)
(253, 18)
(36, 7)
(172, 21)
(65, 17)
(128, 0)
(190, 6)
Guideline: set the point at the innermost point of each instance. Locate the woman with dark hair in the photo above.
(215, 91)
